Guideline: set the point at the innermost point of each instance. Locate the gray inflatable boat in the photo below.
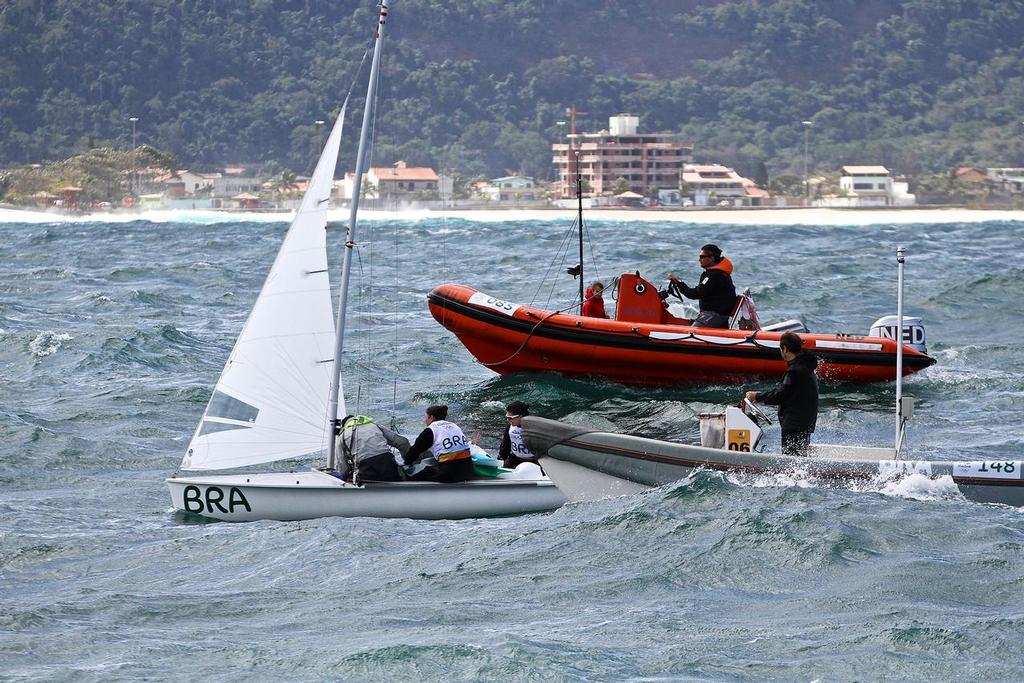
(587, 464)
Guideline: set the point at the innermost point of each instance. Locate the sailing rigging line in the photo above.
(394, 289)
(593, 255)
(367, 292)
(336, 395)
(560, 254)
(562, 251)
(328, 428)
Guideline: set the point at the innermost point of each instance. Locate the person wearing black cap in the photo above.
(513, 451)
(715, 291)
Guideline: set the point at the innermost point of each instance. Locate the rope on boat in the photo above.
(718, 341)
(527, 340)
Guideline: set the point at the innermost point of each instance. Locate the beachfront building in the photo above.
(970, 175)
(1009, 179)
(399, 182)
(620, 159)
(717, 185)
(866, 186)
(185, 183)
(510, 189)
(235, 180)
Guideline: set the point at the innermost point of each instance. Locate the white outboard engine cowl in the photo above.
(731, 430)
(913, 331)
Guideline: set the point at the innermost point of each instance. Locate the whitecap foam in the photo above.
(47, 343)
(915, 487)
(782, 479)
(758, 217)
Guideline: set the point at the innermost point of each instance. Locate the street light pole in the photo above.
(807, 180)
(563, 181)
(134, 120)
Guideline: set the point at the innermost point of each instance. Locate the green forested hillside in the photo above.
(478, 85)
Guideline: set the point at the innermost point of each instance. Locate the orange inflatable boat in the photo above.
(645, 344)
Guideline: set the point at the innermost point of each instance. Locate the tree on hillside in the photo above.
(787, 185)
(286, 182)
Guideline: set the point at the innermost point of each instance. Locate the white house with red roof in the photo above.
(398, 181)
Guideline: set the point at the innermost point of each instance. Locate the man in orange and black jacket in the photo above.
(716, 292)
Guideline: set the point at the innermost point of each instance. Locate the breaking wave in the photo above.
(48, 343)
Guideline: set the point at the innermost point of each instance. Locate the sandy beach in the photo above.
(812, 216)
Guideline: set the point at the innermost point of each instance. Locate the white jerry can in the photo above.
(913, 331)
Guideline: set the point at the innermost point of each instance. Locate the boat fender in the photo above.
(913, 331)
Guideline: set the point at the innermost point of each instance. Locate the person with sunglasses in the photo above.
(715, 290)
(513, 452)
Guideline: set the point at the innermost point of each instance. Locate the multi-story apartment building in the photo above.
(644, 161)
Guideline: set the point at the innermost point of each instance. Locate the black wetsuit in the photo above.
(797, 399)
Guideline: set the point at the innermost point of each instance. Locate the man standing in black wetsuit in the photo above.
(796, 396)
(716, 292)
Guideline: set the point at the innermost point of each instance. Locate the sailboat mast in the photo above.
(350, 240)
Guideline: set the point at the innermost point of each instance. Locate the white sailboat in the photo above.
(280, 393)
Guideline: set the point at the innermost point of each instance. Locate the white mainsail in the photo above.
(270, 402)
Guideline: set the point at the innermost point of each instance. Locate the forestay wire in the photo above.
(328, 428)
(560, 259)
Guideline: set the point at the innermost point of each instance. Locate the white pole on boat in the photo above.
(579, 219)
(901, 254)
(350, 239)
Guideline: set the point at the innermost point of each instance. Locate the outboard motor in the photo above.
(913, 331)
(731, 430)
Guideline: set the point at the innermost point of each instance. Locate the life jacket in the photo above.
(449, 441)
(724, 265)
(355, 421)
(722, 295)
(365, 450)
(518, 448)
(593, 306)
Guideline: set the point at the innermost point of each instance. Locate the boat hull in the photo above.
(513, 338)
(568, 450)
(314, 494)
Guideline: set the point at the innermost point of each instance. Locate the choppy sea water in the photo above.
(112, 335)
